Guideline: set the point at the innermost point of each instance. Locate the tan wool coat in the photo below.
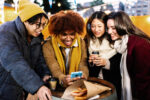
(51, 60)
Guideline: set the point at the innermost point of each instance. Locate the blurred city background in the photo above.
(138, 10)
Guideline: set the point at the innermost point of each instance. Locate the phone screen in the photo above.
(76, 74)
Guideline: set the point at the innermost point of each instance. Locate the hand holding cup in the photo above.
(53, 83)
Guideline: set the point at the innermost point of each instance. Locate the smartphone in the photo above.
(95, 52)
(76, 74)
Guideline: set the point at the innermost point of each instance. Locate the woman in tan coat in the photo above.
(65, 51)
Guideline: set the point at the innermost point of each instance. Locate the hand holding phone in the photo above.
(76, 74)
(94, 56)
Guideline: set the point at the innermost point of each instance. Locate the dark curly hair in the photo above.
(64, 21)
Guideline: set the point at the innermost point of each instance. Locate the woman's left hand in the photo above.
(99, 61)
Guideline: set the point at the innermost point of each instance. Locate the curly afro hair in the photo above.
(64, 21)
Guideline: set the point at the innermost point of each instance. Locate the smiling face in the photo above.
(97, 27)
(112, 30)
(67, 37)
(36, 28)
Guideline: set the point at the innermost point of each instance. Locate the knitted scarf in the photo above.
(105, 51)
(75, 55)
(121, 47)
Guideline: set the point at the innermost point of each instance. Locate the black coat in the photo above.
(20, 62)
(112, 75)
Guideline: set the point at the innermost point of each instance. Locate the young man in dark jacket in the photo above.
(22, 66)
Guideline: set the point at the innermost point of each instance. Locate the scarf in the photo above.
(105, 51)
(75, 55)
(121, 47)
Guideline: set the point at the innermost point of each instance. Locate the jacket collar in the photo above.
(38, 39)
(23, 32)
(21, 28)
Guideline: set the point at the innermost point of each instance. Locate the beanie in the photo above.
(28, 9)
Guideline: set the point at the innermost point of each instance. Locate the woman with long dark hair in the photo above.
(134, 45)
(104, 61)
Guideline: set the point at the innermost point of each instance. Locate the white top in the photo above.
(105, 51)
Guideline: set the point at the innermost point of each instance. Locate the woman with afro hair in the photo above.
(65, 51)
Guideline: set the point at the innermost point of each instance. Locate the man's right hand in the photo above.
(44, 93)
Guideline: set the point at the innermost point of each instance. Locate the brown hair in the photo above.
(64, 21)
(124, 25)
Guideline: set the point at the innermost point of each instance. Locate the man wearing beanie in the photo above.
(22, 66)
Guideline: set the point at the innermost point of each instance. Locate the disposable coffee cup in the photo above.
(53, 83)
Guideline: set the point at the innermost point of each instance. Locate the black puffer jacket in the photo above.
(21, 64)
